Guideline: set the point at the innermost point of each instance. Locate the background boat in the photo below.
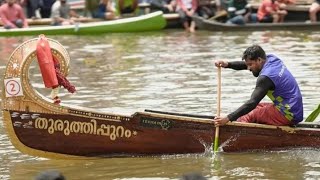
(149, 22)
(213, 25)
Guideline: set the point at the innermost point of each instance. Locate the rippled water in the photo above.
(171, 71)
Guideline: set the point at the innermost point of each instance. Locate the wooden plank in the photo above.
(171, 16)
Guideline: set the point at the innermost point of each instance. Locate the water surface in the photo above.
(171, 71)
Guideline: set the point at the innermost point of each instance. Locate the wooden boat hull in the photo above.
(39, 127)
(87, 134)
(112, 135)
(206, 24)
(150, 22)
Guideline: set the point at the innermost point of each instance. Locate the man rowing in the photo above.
(275, 81)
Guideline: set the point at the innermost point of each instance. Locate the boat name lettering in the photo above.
(92, 127)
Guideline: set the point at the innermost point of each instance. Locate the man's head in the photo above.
(11, 2)
(63, 1)
(255, 57)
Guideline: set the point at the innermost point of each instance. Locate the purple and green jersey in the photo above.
(286, 96)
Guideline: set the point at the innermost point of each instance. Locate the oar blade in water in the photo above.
(313, 115)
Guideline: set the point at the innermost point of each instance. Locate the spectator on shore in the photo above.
(239, 12)
(221, 6)
(105, 10)
(12, 15)
(166, 6)
(205, 9)
(284, 3)
(269, 11)
(314, 9)
(186, 9)
(61, 13)
(45, 8)
(90, 7)
(126, 7)
(31, 7)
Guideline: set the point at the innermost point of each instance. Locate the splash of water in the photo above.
(228, 141)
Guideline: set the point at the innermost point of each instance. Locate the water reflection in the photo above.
(171, 71)
(297, 164)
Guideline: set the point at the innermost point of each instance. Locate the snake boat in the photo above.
(39, 127)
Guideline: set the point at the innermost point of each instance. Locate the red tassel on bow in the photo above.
(50, 69)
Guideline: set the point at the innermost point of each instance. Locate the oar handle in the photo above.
(219, 92)
(216, 137)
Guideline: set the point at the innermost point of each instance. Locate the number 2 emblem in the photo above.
(13, 87)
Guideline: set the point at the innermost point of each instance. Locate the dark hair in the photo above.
(253, 53)
(50, 175)
(192, 176)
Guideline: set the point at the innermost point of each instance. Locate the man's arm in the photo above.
(237, 65)
(263, 85)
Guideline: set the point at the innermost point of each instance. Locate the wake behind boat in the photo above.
(39, 127)
(212, 25)
(150, 22)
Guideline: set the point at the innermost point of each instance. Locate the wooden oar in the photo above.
(219, 15)
(216, 137)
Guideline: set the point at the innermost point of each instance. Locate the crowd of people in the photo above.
(13, 13)
(269, 11)
(236, 11)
